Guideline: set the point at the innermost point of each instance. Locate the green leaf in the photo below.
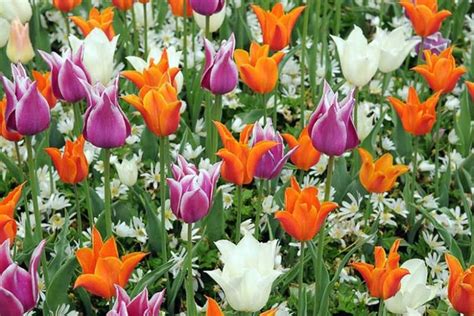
(214, 221)
(12, 167)
(57, 292)
(151, 277)
(60, 246)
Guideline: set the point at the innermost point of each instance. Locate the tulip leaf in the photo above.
(60, 246)
(463, 126)
(57, 292)
(12, 167)
(153, 227)
(215, 221)
(151, 277)
(401, 138)
(149, 145)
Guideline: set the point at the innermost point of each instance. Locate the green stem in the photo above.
(301, 305)
(381, 308)
(185, 41)
(68, 29)
(164, 241)
(216, 115)
(239, 213)
(259, 207)
(90, 213)
(302, 62)
(107, 195)
(189, 266)
(415, 167)
(146, 28)
(207, 33)
(34, 188)
(77, 119)
(437, 135)
(78, 215)
(264, 105)
(135, 32)
(18, 155)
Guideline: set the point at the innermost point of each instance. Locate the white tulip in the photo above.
(394, 48)
(248, 273)
(11, 9)
(5, 33)
(414, 292)
(215, 20)
(359, 59)
(140, 14)
(365, 120)
(128, 171)
(98, 54)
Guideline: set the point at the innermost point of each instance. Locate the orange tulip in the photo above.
(460, 286)
(304, 214)
(143, 1)
(102, 268)
(66, 5)
(276, 25)
(4, 132)
(159, 107)
(417, 118)
(240, 160)
(257, 70)
(177, 8)
(470, 88)
(7, 211)
(44, 87)
(101, 20)
(440, 70)
(72, 165)
(424, 15)
(305, 155)
(213, 309)
(383, 279)
(123, 5)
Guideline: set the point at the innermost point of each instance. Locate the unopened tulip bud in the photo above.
(19, 48)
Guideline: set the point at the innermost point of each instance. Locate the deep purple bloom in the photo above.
(331, 127)
(138, 306)
(105, 124)
(207, 7)
(27, 111)
(220, 72)
(192, 190)
(271, 163)
(66, 75)
(436, 43)
(18, 287)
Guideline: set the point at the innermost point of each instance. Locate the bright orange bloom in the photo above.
(304, 214)
(239, 159)
(160, 108)
(276, 25)
(424, 15)
(102, 267)
(72, 164)
(7, 213)
(460, 286)
(440, 70)
(123, 5)
(4, 132)
(470, 88)
(257, 70)
(143, 1)
(101, 20)
(44, 87)
(177, 7)
(305, 155)
(383, 279)
(417, 118)
(379, 176)
(66, 5)
(213, 309)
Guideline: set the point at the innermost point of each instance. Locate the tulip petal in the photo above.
(10, 305)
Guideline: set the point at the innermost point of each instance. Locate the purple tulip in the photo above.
(330, 127)
(18, 287)
(66, 75)
(271, 163)
(192, 190)
(436, 43)
(220, 72)
(139, 306)
(207, 7)
(27, 111)
(105, 124)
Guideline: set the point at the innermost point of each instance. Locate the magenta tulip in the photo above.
(207, 7)
(138, 306)
(435, 43)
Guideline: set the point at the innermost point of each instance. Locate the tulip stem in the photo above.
(302, 62)
(90, 214)
(216, 115)
(259, 207)
(34, 188)
(415, 167)
(77, 119)
(164, 240)
(381, 308)
(207, 32)
(189, 282)
(239, 213)
(264, 104)
(145, 33)
(301, 304)
(134, 27)
(78, 215)
(437, 135)
(18, 155)
(185, 42)
(68, 29)
(107, 196)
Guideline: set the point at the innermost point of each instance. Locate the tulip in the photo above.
(16, 9)
(123, 5)
(435, 43)
(19, 291)
(5, 34)
(257, 70)
(4, 132)
(330, 127)
(72, 164)
(27, 111)
(7, 215)
(417, 117)
(139, 305)
(276, 25)
(66, 5)
(440, 70)
(127, 171)
(102, 268)
(177, 8)
(383, 279)
(213, 309)
(248, 272)
(359, 60)
(379, 176)
(215, 20)
(460, 286)
(45, 87)
(305, 156)
(470, 88)
(220, 72)
(424, 15)
(102, 20)
(207, 7)
(414, 292)
(19, 48)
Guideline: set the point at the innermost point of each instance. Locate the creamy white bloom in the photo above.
(11, 9)
(215, 20)
(248, 273)
(365, 119)
(5, 33)
(140, 14)
(127, 171)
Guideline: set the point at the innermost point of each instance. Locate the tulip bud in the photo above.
(139, 305)
(177, 8)
(19, 48)
(13, 9)
(207, 7)
(215, 20)
(460, 286)
(66, 5)
(123, 5)
(127, 171)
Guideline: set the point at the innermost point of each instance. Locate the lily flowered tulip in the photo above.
(139, 305)
(127, 171)
(394, 48)
(240, 160)
(220, 72)
(470, 88)
(19, 48)
(102, 268)
(19, 290)
(45, 87)
(379, 176)
(123, 5)
(257, 70)
(248, 272)
(7, 215)
(15, 9)
(102, 20)
(27, 111)
(330, 127)
(213, 309)
(4, 132)
(383, 278)
(424, 15)
(304, 214)
(460, 286)
(435, 43)
(440, 71)
(192, 190)
(207, 7)
(417, 117)
(305, 156)
(276, 25)
(177, 8)
(215, 20)
(66, 5)
(359, 59)
(72, 164)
